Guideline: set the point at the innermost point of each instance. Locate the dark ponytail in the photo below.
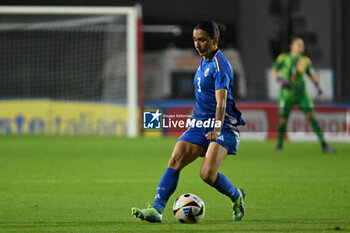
(211, 28)
(222, 29)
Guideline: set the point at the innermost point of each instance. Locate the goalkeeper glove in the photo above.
(283, 83)
(318, 87)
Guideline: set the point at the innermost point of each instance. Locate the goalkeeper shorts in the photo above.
(285, 105)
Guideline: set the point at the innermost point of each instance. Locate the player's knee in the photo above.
(208, 175)
(175, 162)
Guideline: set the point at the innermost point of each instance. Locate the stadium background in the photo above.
(323, 24)
(73, 183)
(166, 36)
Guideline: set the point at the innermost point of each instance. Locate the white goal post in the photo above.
(132, 15)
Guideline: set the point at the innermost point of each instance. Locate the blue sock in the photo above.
(166, 187)
(224, 186)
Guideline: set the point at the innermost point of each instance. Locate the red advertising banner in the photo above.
(262, 122)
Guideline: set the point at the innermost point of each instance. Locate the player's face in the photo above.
(203, 43)
(297, 46)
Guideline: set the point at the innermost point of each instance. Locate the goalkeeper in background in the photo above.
(288, 70)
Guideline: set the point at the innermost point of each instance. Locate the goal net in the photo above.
(72, 55)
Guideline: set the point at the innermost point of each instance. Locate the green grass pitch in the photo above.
(89, 184)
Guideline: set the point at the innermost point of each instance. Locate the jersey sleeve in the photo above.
(279, 61)
(222, 75)
(222, 80)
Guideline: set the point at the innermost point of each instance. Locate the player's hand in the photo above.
(211, 136)
(319, 89)
(283, 83)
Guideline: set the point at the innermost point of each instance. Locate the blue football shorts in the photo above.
(229, 137)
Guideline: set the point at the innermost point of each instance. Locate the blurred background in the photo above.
(67, 58)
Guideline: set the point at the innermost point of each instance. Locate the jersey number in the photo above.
(199, 84)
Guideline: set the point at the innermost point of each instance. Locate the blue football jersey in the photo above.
(212, 75)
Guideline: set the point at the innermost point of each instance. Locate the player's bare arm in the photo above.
(221, 96)
(274, 73)
(314, 79)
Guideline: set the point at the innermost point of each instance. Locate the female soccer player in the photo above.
(213, 87)
(292, 66)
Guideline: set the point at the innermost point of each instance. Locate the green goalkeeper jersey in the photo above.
(287, 65)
